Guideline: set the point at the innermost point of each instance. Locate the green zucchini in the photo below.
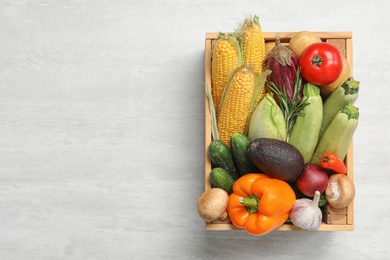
(346, 93)
(239, 144)
(220, 178)
(338, 135)
(221, 156)
(305, 133)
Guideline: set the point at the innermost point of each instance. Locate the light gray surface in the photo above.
(101, 129)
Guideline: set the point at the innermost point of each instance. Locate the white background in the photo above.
(102, 129)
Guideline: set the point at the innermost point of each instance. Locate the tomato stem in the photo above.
(316, 61)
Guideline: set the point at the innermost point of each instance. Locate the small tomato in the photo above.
(321, 63)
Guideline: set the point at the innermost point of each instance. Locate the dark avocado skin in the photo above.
(276, 158)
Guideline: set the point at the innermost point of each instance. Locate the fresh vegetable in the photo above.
(332, 162)
(226, 56)
(306, 214)
(239, 144)
(305, 132)
(253, 43)
(220, 178)
(340, 191)
(321, 63)
(276, 158)
(346, 93)
(221, 156)
(212, 204)
(301, 40)
(260, 204)
(313, 178)
(290, 108)
(338, 135)
(237, 102)
(284, 64)
(267, 120)
(328, 89)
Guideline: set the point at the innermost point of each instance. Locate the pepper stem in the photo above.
(325, 158)
(251, 203)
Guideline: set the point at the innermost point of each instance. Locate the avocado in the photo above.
(276, 158)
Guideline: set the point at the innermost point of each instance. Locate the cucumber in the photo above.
(220, 178)
(239, 144)
(221, 156)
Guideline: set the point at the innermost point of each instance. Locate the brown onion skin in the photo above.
(313, 178)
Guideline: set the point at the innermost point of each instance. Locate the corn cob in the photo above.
(227, 56)
(346, 93)
(236, 103)
(305, 132)
(253, 46)
(338, 135)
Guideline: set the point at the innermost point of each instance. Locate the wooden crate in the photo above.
(333, 220)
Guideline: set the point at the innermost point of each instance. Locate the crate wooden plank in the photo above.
(207, 162)
(287, 35)
(335, 219)
(350, 170)
(331, 210)
(349, 53)
(339, 222)
(340, 45)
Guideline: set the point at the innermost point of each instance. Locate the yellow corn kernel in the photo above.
(253, 44)
(226, 57)
(236, 103)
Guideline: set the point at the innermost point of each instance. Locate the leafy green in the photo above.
(291, 109)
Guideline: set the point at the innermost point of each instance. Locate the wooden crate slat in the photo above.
(269, 36)
(207, 119)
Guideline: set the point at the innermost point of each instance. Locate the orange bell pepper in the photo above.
(259, 203)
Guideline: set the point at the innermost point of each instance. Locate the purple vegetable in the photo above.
(284, 64)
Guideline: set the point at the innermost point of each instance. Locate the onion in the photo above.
(313, 178)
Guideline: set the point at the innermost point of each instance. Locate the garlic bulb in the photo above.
(306, 214)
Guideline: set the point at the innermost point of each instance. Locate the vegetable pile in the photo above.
(283, 118)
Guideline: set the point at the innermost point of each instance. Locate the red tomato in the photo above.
(321, 63)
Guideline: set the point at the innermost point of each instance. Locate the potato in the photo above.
(345, 74)
(301, 40)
